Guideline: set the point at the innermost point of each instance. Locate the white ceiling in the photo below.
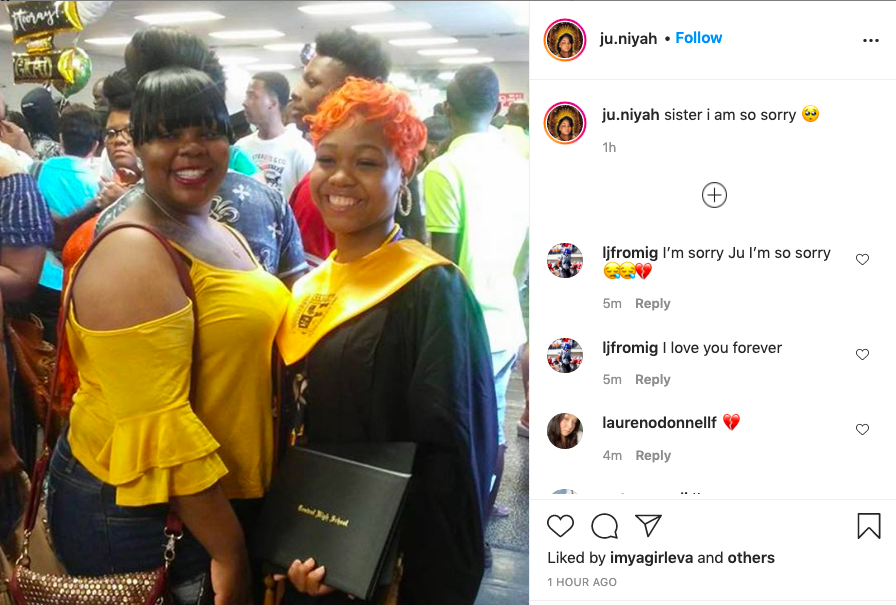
(486, 26)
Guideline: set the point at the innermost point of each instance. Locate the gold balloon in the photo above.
(37, 67)
(36, 19)
(39, 45)
(76, 67)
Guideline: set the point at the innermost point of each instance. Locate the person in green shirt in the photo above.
(477, 212)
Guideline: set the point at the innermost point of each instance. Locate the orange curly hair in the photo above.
(370, 101)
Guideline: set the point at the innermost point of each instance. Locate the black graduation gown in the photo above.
(416, 367)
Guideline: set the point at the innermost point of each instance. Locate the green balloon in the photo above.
(81, 67)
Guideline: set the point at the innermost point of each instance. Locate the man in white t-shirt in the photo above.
(281, 153)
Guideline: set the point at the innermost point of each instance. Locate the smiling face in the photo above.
(627, 271)
(611, 270)
(186, 166)
(322, 75)
(356, 179)
(568, 425)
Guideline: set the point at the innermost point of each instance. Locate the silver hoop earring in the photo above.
(405, 201)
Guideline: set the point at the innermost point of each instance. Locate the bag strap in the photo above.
(173, 524)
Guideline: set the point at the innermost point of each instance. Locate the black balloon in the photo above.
(35, 19)
(42, 67)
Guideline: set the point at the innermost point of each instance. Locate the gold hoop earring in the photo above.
(405, 201)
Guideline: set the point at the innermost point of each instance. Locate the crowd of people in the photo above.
(333, 277)
(561, 248)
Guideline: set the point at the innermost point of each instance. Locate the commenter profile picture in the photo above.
(565, 431)
(565, 122)
(565, 355)
(565, 260)
(564, 40)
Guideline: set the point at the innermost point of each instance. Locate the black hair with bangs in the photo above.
(177, 97)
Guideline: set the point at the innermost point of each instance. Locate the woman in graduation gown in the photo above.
(385, 342)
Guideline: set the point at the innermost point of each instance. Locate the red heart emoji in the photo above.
(731, 421)
(643, 270)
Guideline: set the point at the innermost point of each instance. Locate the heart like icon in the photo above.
(560, 525)
(862, 353)
(862, 258)
(862, 428)
(731, 421)
(643, 270)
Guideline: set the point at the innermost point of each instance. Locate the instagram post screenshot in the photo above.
(711, 422)
(447, 303)
(264, 272)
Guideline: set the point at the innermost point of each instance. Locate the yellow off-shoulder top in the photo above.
(132, 424)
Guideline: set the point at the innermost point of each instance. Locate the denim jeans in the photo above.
(93, 536)
(502, 362)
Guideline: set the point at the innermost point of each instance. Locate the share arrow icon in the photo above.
(649, 521)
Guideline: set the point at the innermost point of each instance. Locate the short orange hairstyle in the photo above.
(373, 101)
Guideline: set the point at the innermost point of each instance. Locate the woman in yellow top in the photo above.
(137, 446)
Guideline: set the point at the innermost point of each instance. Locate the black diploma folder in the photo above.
(338, 503)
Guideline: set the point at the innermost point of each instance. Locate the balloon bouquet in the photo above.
(34, 23)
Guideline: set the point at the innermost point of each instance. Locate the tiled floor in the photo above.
(507, 582)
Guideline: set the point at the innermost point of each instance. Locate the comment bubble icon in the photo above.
(605, 526)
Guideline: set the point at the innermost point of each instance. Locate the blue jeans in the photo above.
(502, 363)
(93, 536)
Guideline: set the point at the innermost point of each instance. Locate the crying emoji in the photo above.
(611, 271)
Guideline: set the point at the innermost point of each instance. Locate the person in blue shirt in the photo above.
(566, 359)
(69, 184)
(566, 269)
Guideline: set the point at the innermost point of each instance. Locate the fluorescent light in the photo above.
(447, 52)
(6, 27)
(247, 34)
(286, 46)
(273, 67)
(466, 60)
(179, 18)
(423, 41)
(446, 76)
(347, 8)
(113, 41)
(389, 28)
(230, 61)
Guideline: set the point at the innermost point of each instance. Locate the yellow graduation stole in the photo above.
(334, 293)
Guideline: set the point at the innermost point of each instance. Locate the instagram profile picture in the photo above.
(565, 123)
(565, 431)
(565, 260)
(564, 40)
(565, 355)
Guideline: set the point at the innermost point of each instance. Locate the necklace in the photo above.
(233, 250)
